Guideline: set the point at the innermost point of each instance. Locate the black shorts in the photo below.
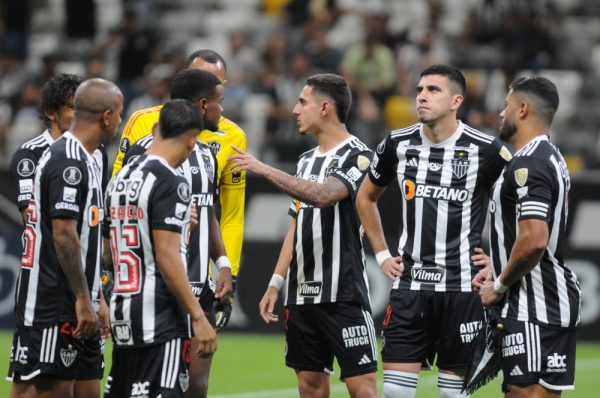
(53, 352)
(149, 371)
(206, 299)
(537, 354)
(316, 333)
(420, 324)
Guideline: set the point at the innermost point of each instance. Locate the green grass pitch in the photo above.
(252, 366)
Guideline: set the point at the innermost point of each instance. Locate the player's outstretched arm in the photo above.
(331, 191)
(67, 245)
(219, 256)
(366, 206)
(172, 269)
(267, 303)
(526, 253)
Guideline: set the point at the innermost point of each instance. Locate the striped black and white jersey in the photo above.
(200, 170)
(67, 184)
(535, 185)
(25, 160)
(146, 195)
(445, 192)
(328, 262)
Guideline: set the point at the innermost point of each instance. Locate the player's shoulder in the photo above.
(230, 128)
(145, 141)
(308, 154)
(476, 137)
(152, 111)
(539, 151)
(405, 134)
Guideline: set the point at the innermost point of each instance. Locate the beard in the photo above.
(507, 131)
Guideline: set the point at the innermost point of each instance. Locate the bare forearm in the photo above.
(312, 193)
(523, 259)
(68, 253)
(285, 255)
(173, 272)
(107, 255)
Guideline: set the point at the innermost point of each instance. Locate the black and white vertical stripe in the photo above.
(171, 362)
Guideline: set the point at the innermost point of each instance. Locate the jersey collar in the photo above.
(48, 137)
(449, 141)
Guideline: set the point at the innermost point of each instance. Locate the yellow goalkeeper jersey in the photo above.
(232, 186)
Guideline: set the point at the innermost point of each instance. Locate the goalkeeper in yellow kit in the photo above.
(231, 184)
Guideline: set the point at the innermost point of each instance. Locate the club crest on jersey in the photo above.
(184, 381)
(310, 289)
(521, 176)
(210, 169)
(25, 167)
(460, 167)
(72, 175)
(67, 356)
(214, 146)
(183, 190)
(121, 331)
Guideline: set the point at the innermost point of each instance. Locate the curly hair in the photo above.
(57, 92)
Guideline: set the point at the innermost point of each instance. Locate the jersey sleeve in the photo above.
(232, 195)
(170, 201)
(353, 171)
(23, 166)
(385, 160)
(533, 183)
(67, 184)
(496, 158)
(134, 151)
(138, 125)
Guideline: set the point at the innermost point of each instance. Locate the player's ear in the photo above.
(106, 117)
(202, 105)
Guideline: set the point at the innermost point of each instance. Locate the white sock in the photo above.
(397, 384)
(450, 386)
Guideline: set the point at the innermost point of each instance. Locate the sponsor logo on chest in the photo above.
(310, 289)
(429, 275)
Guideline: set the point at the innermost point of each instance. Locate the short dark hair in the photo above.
(194, 84)
(210, 56)
(544, 90)
(453, 74)
(335, 88)
(178, 116)
(57, 92)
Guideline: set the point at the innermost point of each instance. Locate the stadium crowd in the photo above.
(273, 45)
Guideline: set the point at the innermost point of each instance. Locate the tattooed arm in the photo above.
(331, 191)
(66, 243)
(526, 253)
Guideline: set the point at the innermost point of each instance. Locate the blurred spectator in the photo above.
(156, 93)
(26, 122)
(242, 63)
(369, 68)
(324, 59)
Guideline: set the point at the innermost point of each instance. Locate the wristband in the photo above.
(499, 287)
(277, 281)
(382, 256)
(223, 262)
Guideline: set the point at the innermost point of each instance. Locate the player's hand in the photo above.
(224, 296)
(488, 294)
(393, 267)
(104, 316)
(267, 303)
(205, 336)
(87, 319)
(193, 216)
(480, 259)
(482, 276)
(244, 161)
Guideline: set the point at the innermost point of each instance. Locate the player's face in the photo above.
(435, 98)
(62, 119)
(213, 110)
(217, 69)
(307, 111)
(508, 127)
(114, 120)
